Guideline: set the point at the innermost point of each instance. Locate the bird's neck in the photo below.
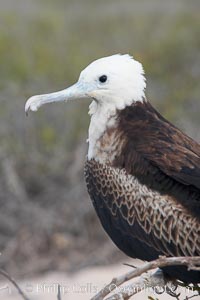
(110, 128)
(103, 137)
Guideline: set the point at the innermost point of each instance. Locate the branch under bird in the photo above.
(142, 173)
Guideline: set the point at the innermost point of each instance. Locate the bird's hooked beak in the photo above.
(78, 90)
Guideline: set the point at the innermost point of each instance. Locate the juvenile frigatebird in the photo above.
(142, 173)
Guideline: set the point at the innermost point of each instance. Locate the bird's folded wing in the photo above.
(175, 160)
(160, 143)
(138, 212)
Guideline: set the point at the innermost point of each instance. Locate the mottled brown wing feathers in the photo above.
(157, 221)
(148, 197)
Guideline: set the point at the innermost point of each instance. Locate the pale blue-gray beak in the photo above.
(78, 90)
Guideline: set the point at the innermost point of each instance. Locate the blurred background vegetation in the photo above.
(46, 218)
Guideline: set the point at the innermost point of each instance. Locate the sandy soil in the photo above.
(82, 285)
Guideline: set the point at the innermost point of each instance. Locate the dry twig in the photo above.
(151, 280)
(7, 276)
(59, 293)
(23, 295)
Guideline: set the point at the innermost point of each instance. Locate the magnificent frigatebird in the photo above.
(142, 173)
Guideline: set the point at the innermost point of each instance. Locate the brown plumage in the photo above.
(142, 173)
(147, 194)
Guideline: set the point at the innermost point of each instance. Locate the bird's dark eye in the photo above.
(103, 78)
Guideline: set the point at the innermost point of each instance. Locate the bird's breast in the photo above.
(107, 147)
(105, 138)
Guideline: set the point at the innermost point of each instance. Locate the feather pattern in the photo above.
(144, 184)
(160, 155)
(142, 223)
(160, 216)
